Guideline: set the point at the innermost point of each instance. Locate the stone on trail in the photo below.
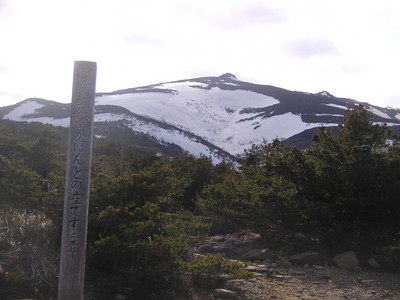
(258, 254)
(307, 258)
(373, 263)
(347, 260)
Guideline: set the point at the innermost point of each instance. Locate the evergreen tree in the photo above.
(351, 181)
(20, 187)
(44, 156)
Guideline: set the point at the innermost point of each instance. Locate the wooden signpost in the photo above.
(76, 200)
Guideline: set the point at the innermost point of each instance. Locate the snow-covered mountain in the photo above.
(215, 116)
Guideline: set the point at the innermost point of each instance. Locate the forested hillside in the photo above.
(148, 212)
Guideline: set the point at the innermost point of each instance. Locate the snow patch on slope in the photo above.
(336, 105)
(238, 137)
(212, 114)
(331, 115)
(18, 113)
(108, 117)
(173, 85)
(173, 137)
(378, 112)
(325, 94)
(46, 120)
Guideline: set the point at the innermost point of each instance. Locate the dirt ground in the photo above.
(328, 282)
(298, 283)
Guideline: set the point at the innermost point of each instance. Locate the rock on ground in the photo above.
(347, 260)
(307, 258)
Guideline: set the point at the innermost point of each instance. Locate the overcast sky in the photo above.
(351, 48)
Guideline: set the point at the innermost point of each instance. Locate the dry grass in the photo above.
(27, 248)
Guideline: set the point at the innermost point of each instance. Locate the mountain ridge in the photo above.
(218, 117)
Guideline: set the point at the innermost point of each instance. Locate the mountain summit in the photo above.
(228, 76)
(218, 117)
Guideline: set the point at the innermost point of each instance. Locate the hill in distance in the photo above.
(218, 117)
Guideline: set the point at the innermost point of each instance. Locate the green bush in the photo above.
(216, 264)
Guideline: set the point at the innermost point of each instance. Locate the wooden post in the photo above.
(77, 183)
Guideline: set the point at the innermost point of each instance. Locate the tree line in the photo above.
(147, 212)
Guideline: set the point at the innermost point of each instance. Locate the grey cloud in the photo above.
(307, 48)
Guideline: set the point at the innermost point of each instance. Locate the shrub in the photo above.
(216, 264)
